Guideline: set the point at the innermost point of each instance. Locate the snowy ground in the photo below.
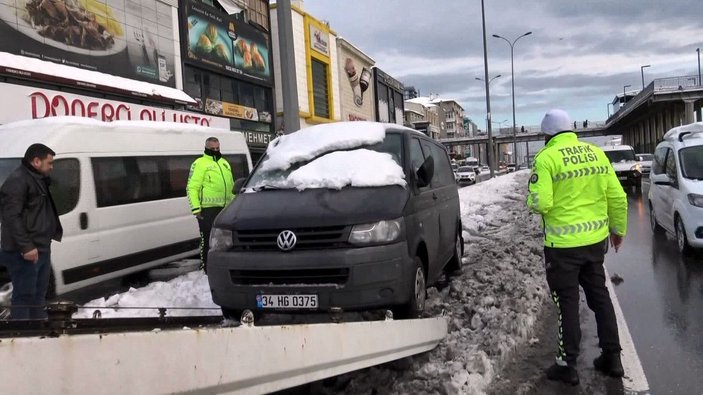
(492, 304)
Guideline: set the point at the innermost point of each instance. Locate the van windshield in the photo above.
(620, 156)
(277, 179)
(7, 165)
(692, 162)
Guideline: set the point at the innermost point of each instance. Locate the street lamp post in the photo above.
(512, 77)
(642, 71)
(488, 122)
(488, 91)
(624, 97)
(698, 50)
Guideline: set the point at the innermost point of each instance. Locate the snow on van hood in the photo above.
(311, 142)
(624, 165)
(336, 170)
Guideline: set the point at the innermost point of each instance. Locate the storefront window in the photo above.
(193, 81)
(259, 12)
(246, 94)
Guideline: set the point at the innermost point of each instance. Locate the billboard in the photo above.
(225, 43)
(128, 38)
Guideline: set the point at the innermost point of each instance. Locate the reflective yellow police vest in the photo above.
(575, 189)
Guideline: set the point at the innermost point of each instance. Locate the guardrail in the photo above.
(243, 360)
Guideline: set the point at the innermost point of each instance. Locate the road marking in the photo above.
(635, 381)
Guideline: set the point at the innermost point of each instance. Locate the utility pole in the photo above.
(491, 163)
(291, 120)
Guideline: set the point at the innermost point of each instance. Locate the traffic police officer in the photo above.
(210, 189)
(574, 188)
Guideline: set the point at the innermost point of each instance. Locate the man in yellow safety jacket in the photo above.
(210, 189)
(574, 188)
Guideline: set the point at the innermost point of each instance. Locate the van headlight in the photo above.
(376, 233)
(695, 200)
(220, 239)
(636, 168)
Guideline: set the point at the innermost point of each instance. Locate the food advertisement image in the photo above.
(128, 38)
(226, 43)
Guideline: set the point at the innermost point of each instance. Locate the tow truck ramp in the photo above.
(211, 360)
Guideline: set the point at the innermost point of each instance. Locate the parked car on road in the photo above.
(485, 169)
(308, 232)
(645, 161)
(466, 175)
(624, 162)
(676, 193)
(511, 167)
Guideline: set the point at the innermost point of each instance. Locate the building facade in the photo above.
(356, 88)
(316, 68)
(227, 65)
(423, 117)
(389, 98)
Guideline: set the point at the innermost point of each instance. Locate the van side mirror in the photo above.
(425, 172)
(238, 185)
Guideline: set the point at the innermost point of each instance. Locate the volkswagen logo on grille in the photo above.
(286, 240)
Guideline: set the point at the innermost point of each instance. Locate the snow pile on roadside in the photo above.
(491, 305)
(482, 202)
(358, 168)
(190, 293)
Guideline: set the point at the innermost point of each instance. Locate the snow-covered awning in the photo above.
(22, 66)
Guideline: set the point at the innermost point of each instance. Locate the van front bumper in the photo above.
(348, 278)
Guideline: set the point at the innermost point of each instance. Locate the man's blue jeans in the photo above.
(30, 282)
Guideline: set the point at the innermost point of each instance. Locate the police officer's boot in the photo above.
(610, 364)
(566, 374)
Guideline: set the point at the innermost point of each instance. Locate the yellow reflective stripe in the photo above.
(588, 171)
(564, 230)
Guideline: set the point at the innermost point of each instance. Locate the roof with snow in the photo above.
(426, 101)
(11, 63)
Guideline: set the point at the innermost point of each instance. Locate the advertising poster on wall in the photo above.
(226, 43)
(231, 110)
(127, 38)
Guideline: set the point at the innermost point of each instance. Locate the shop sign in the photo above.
(33, 103)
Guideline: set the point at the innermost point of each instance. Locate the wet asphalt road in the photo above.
(662, 300)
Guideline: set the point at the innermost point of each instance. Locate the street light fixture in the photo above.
(512, 77)
(699, 66)
(489, 81)
(642, 71)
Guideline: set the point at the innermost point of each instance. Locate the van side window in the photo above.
(659, 160)
(671, 164)
(66, 184)
(442, 168)
(127, 180)
(240, 168)
(416, 155)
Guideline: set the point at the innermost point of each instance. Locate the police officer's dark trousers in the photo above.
(567, 268)
(205, 220)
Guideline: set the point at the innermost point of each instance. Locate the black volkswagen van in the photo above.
(355, 248)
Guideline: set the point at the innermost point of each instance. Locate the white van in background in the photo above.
(119, 188)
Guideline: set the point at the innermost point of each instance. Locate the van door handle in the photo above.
(83, 218)
(434, 196)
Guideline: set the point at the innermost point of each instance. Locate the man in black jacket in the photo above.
(29, 223)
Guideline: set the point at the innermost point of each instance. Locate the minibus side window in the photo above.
(240, 168)
(66, 184)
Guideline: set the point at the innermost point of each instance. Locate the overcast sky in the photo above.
(580, 54)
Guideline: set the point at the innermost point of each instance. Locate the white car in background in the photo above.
(466, 175)
(645, 161)
(676, 193)
(625, 164)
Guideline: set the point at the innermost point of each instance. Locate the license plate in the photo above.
(622, 178)
(286, 301)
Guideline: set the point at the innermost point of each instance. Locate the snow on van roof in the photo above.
(617, 147)
(76, 134)
(94, 77)
(336, 170)
(311, 142)
(155, 126)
